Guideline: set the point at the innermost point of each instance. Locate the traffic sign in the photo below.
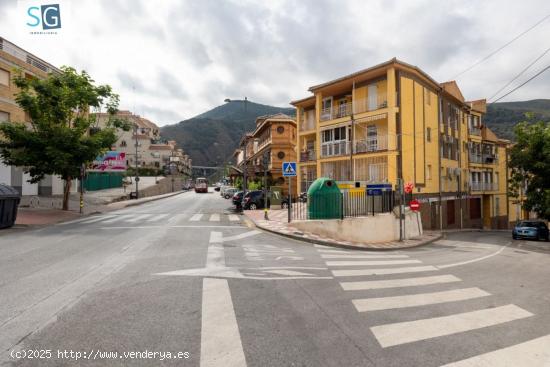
(289, 169)
(377, 189)
(414, 205)
(409, 187)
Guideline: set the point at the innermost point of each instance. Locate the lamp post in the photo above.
(265, 162)
(137, 166)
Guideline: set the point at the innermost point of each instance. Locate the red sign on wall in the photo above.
(414, 205)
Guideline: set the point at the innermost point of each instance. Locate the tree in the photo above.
(530, 164)
(61, 134)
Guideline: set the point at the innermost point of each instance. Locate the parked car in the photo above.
(216, 188)
(532, 229)
(254, 200)
(225, 188)
(229, 192)
(238, 199)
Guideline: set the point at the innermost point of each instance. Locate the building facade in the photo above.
(393, 121)
(273, 138)
(153, 151)
(12, 59)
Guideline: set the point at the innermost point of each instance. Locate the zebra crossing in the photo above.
(406, 277)
(154, 218)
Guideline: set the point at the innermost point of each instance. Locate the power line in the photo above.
(521, 73)
(522, 84)
(501, 47)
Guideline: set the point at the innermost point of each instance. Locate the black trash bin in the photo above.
(9, 201)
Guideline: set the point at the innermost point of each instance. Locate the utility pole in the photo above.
(266, 217)
(137, 165)
(244, 173)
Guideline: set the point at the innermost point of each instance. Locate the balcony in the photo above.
(483, 186)
(335, 149)
(474, 130)
(308, 156)
(307, 122)
(371, 144)
(490, 159)
(475, 158)
(373, 103)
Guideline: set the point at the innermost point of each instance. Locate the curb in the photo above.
(150, 198)
(339, 245)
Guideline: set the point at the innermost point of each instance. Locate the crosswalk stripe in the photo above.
(195, 218)
(117, 218)
(360, 256)
(97, 219)
(233, 218)
(371, 262)
(398, 283)
(413, 300)
(532, 353)
(138, 218)
(335, 251)
(157, 217)
(384, 271)
(321, 246)
(412, 331)
(215, 218)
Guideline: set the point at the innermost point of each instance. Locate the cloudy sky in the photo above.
(185, 57)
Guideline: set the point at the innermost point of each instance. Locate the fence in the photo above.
(342, 205)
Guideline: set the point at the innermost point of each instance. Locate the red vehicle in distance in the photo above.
(201, 185)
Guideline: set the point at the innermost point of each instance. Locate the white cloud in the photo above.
(186, 57)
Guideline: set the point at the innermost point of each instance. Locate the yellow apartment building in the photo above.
(14, 59)
(393, 121)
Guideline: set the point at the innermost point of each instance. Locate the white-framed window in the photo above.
(372, 138)
(372, 91)
(4, 116)
(4, 77)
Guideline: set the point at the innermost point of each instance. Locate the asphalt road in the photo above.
(187, 276)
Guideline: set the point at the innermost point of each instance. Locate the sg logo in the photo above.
(48, 15)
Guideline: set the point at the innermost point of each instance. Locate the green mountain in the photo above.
(211, 137)
(502, 117)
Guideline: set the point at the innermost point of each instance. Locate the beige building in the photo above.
(153, 151)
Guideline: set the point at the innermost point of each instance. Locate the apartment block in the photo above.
(152, 150)
(14, 59)
(393, 121)
(274, 138)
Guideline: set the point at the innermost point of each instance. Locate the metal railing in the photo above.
(308, 156)
(24, 56)
(490, 158)
(333, 149)
(371, 144)
(483, 186)
(373, 103)
(474, 130)
(475, 158)
(307, 121)
(335, 205)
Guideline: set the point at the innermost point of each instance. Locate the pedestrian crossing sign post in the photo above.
(289, 170)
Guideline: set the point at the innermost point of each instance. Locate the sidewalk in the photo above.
(41, 217)
(278, 224)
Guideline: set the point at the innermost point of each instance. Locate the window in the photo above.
(280, 129)
(372, 138)
(4, 116)
(429, 172)
(281, 155)
(123, 143)
(4, 77)
(429, 134)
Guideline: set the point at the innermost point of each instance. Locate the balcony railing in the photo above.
(474, 130)
(371, 144)
(483, 186)
(334, 149)
(490, 159)
(22, 55)
(308, 156)
(307, 122)
(475, 158)
(360, 105)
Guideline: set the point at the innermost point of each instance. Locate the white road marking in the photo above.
(157, 217)
(398, 283)
(215, 256)
(138, 218)
(373, 262)
(195, 218)
(220, 338)
(532, 353)
(360, 272)
(160, 226)
(233, 218)
(241, 236)
(322, 246)
(411, 331)
(97, 219)
(290, 267)
(215, 218)
(474, 260)
(287, 272)
(414, 300)
(360, 256)
(117, 218)
(337, 251)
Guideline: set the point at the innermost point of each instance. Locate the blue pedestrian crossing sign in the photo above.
(289, 169)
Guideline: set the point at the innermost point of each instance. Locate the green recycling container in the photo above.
(324, 199)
